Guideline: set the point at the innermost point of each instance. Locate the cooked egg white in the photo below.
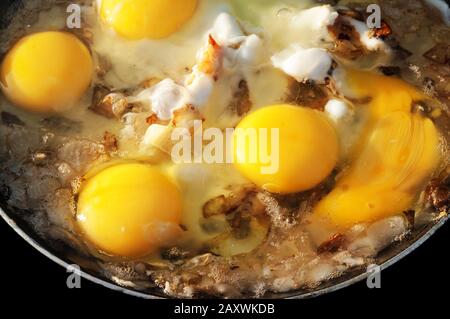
(304, 64)
(135, 61)
(283, 24)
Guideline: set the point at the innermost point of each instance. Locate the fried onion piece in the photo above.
(347, 42)
(308, 94)
(332, 245)
(440, 53)
(109, 104)
(110, 142)
(383, 31)
(210, 60)
(223, 205)
(241, 103)
(185, 116)
(437, 194)
(10, 119)
(244, 213)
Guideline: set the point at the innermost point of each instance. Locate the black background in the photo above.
(419, 281)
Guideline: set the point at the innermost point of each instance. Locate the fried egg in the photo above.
(395, 155)
(46, 72)
(129, 210)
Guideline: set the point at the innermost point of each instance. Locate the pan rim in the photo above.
(306, 295)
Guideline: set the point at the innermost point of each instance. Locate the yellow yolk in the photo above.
(46, 71)
(303, 154)
(396, 155)
(399, 155)
(388, 94)
(139, 19)
(129, 210)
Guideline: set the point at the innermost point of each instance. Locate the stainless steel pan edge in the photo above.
(393, 255)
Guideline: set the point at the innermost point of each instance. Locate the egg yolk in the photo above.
(129, 210)
(139, 19)
(397, 153)
(46, 71)
(389, 94)
(306, 148)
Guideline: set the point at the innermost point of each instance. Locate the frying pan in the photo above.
(66, 256)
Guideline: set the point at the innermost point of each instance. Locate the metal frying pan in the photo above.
(66, 256)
